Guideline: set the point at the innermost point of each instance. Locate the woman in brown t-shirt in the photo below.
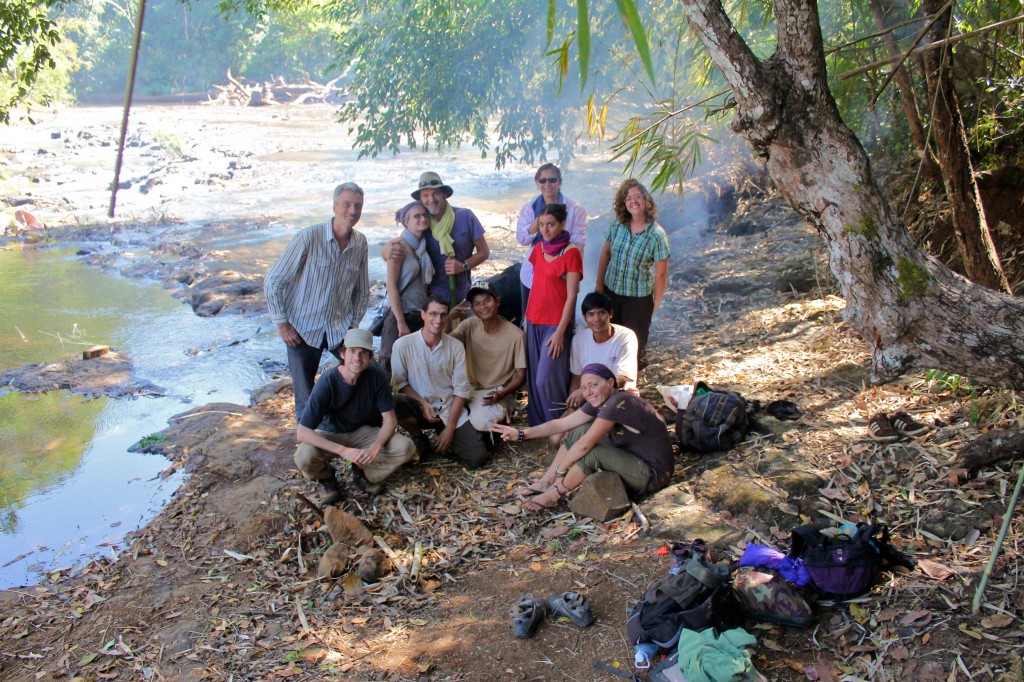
(613, 431)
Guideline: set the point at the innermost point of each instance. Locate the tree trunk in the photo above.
(913, 311)
(973, 239)
(906, 90)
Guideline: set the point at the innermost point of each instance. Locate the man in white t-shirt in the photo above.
(611, 345)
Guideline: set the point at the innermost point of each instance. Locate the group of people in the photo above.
(461, 382)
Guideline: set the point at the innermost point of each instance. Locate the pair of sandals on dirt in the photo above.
(538, 495)
(529, 611)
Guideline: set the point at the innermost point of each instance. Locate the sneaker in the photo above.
(331, 491)
(906, 425)
(881, 429)
(363, 483)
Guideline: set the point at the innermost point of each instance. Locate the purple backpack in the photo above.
(843, 567)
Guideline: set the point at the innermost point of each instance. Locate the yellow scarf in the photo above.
(442, 230)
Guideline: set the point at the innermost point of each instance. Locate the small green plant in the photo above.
(293, 655)
(954, 383)
(170, 144)
(151, 440)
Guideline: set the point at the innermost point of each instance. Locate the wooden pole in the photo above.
(129, 87)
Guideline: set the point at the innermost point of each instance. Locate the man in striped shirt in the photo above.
(319, 289)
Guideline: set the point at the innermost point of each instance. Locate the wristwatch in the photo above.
(465, 266)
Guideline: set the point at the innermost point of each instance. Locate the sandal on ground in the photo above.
(533, 488)
(526, 615)
(906, 425)
(783, 410)
(544, 500)
(573, 606)
(881, 429)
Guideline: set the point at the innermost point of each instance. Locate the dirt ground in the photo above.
(222, 585)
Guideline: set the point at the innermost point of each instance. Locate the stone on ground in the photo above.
(602, 496)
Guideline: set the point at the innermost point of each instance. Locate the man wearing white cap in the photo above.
(356, 397)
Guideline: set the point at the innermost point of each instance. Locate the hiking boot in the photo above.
(906, 425)
(881, 429)
(331, 491)
(363, 483)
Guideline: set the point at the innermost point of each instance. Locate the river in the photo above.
(236, 182)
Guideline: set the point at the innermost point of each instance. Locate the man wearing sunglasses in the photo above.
(549, 181)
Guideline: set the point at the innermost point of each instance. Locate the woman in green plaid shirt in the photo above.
(633, 269)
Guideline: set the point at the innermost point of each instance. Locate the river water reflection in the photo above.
(68, 486)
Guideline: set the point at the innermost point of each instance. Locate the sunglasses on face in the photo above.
(546, 181)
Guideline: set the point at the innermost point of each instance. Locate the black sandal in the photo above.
(573, 606)
(526, 615)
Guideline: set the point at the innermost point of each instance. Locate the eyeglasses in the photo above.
(547, 181)
(635, 197)
(417, 216)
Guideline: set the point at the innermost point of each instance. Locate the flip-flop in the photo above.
(526, 615)
(573, 606)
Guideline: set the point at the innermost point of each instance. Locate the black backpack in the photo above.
(844, 567)
(695, 598)
(713, 420)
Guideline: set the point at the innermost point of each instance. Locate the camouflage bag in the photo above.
(763, 594)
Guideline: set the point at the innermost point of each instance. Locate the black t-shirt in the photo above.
(349, 406)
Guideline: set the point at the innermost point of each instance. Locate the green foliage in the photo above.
(188, 47)
(998, 132)
(28, 38)
(151, 440)
(419, 78)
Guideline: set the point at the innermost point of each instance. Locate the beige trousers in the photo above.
(315, 464)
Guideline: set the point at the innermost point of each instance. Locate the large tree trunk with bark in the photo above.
(973, 239)
(913, 311)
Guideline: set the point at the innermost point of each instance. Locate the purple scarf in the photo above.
(556, 245)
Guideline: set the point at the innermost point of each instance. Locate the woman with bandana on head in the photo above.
(407, 279)
(613, 431)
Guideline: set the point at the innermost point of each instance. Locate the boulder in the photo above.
(602, 496)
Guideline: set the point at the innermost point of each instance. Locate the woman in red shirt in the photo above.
(557, 271)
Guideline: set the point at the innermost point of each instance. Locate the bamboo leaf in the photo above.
(583, 36)
(551, 24)
(628, 11)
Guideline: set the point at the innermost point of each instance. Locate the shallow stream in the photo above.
(236, 183)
